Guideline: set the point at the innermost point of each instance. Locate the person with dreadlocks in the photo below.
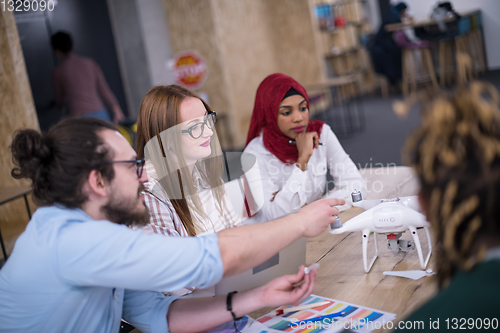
(294, 152)
(456, 155)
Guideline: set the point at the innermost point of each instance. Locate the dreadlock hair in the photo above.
(456, 155)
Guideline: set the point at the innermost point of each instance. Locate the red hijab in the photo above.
(265, 116)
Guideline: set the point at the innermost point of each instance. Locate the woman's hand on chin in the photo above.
(306, 142)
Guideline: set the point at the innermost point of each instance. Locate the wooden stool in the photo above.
(476, 42)
(477, 50)
(410, 72)
(463, 46)
(446, 61)
(466, 69)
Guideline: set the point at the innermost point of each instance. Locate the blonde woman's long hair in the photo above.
(159, 111)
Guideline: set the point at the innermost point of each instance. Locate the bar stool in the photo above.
(455, 48)
(446, 61)
(410, 50)
(476, 42)
(410, 68)
(466, 68)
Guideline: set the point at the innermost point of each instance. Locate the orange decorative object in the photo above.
(190, 69)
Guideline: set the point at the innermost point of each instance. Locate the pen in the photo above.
(293, 143)
(300, 307)
(311, 320)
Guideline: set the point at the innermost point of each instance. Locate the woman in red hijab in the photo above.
(293, 152)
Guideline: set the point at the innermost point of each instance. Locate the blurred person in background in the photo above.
(384, 51)
(80, 83)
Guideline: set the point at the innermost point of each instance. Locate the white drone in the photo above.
(391, 217)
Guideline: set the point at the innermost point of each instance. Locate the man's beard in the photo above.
(118, 211)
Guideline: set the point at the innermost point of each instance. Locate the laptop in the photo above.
(287, 261)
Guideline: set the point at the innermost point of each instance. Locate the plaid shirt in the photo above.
(165, 220)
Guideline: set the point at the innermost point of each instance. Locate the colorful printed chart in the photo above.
(341, 315)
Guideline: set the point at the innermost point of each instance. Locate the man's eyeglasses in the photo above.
(138, 163)
(197, 129)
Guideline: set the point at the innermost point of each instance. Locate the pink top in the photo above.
(80, 82)
(403, 41)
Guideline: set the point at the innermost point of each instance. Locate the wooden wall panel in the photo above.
(244, 41)
(293, 39)
(247, 56)
(16, 111)
(191, 27)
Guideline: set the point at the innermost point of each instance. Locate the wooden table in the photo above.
(9, 194)
(425, 22)
(341, 274)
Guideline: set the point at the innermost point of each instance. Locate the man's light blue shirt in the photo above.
(70, 273)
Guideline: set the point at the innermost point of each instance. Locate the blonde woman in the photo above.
(185, 193)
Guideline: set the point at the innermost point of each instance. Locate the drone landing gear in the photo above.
(366, 236)
(396, 245)
(413, 231)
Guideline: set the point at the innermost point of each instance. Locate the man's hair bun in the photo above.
(30, 152)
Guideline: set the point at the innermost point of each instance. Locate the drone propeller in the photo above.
(415, 275)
